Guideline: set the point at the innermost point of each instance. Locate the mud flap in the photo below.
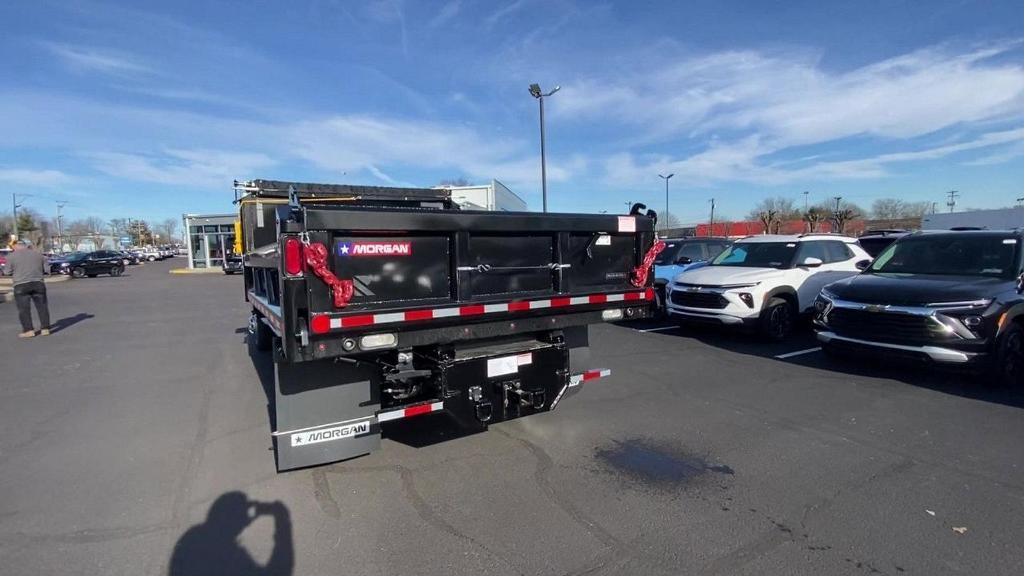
(324, 412)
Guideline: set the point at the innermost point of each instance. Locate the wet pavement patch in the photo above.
(657, 465)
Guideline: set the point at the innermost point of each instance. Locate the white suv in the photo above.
(763, 282)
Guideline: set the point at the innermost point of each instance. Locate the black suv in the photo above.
(953, 298)
(91, 264)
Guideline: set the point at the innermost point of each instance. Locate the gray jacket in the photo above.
(26, 266)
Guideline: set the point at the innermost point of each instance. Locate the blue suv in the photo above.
(680, 255)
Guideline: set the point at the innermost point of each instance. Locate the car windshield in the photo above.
(757, 255)
(950, 255)
(669, 254)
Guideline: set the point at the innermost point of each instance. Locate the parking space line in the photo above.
(797, 353)
(658, 329)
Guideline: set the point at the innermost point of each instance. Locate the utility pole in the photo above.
(935, 206)
(666, 179)
(711, 229)
(835, 213)
(629, 206)
(1020, 202)
(952, 199)
(540, 96)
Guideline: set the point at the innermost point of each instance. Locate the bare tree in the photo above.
(454, 182)
(769, 219)
(784, 208)
(667, 222)
(814, 217)
(896, 209)
(842, 217)
(168, 227)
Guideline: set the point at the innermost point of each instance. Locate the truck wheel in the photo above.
(1008, 366)
(777, 320)
(78, 272)
(260, 335)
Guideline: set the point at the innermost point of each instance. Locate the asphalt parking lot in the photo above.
(704, 453)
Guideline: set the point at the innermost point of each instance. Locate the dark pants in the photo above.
(34, 292)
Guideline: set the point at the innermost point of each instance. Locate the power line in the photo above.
(953, 194)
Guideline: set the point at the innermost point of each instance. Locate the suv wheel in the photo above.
(777, 319)
(1009, 359)
(78, 272)
(116, 271)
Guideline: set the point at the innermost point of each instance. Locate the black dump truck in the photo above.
(380, 304)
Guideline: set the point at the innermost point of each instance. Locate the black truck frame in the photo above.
(385, 303)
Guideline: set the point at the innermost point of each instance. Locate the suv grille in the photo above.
(883, 326)
(699, 299)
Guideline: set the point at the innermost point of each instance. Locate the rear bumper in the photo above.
(938, 354)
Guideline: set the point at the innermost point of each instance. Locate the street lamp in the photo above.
(666, 178)
(14, 202)
(540, 96)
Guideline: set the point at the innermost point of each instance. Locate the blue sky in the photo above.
(151, 109)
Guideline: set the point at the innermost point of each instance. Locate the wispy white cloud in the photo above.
(503, 12)
(358, 142)
(88, 59)
(749, 107)
(211, 169)
(447, 12)
(791, 99)
(742, 161)
(34, 178)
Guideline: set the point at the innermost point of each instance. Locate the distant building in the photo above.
(494, 196)
(1001, 219)
(208, 237)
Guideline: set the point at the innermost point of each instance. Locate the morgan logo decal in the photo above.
(374, 249)
(333, 433)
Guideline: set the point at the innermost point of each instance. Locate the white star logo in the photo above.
(344, 248)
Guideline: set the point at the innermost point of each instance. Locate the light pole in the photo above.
(806, 193)
(60, 227)
(14, 202)
(540, 96)
(666, 179)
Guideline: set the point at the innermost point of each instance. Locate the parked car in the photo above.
(232, 264)
(56, 262)
(128, 258)
(3, 262)
(680, 255)
(951, 298)
(91, 264)
(764, 282)
(874, 241)
(151, 254)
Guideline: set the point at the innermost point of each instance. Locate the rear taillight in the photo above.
(292, 257)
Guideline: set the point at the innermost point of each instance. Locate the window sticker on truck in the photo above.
(374, 249)
(333, 433)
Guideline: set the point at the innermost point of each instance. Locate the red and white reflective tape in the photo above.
(322, 323)
(577, 379)
(273, 318)
(410, 411)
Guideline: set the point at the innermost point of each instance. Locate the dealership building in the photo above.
(208, 237)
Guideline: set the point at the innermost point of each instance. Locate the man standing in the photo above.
(27, 268)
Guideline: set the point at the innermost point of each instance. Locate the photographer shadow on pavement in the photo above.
(213, 547)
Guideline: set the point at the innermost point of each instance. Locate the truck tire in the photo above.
(1007, 367)
(260, 336)
(776, 321)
